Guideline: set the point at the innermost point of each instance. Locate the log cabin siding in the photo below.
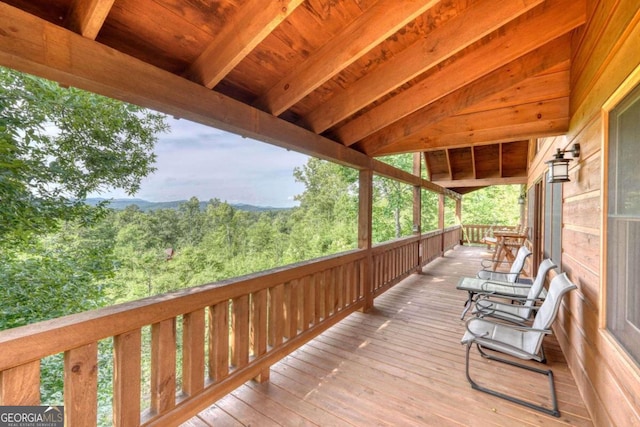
(605, 54)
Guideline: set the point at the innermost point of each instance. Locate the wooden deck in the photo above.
(400, 364)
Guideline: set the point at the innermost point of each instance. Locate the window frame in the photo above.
(619, 293)
(631, 365)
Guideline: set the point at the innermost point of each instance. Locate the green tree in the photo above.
(57, 145)
(393, 202)
(59, 274)
(495, 205)
(429, 210)
(326, 221)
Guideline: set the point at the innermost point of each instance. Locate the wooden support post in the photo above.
(459, 219)
(441, 205)
(417, 206)
(364, 232)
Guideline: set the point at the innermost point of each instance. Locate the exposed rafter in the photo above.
(509, 76)
(443, 42)
(374, 26)
(518, 38)
(86, 17)
(253, 22)
(500, 125)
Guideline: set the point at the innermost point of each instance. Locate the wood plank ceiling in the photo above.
(469, 83)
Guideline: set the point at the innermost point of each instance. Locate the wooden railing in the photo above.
(473, 233)
(394, 261)
(231, 331)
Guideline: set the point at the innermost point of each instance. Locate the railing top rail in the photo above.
(395, 243)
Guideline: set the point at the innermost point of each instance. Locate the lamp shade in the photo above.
(558, 170)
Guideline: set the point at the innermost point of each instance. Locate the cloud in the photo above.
(196, 160)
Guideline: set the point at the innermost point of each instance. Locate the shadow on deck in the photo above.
(400, 364)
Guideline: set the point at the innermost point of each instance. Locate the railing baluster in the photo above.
(193, 352)
(163, 366)
(340, 286)
(258, 329)
(294, 308)
(304, 301)
(329, 289)
(319, 298)
(240, 332)
(348, 284)
(81, 385)
(20, 385)
(259, 323)
(290, 307)
(328, 296)
(219, 341)
(126, 378)
(277, 312)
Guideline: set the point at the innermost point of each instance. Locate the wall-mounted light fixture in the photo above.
(559, 166)
(522, 199)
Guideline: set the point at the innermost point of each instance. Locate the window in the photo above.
(623, 224)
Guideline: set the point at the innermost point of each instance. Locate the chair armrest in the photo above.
(493, 309)
(490, 296)
(506, 285)
(487, 264)
(486, 283)
(518, 328)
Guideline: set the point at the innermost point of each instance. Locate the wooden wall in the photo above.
(606, 57)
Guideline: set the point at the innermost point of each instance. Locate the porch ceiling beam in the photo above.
(375, 25)
(250, 26)
(443, 42)
(36, 46)
(484, 182)
(510, 75)
(388, 171)
(542, 25)
(539, 119)
(86, 17)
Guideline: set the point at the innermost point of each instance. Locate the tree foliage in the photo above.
(495, 205)
(57, 145)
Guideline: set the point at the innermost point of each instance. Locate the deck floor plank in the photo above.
(400, 364)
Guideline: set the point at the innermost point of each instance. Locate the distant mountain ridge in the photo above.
(145, 206)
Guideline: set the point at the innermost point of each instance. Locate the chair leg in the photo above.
(467, 305)
(555, 412)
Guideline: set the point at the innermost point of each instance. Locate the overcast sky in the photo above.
(196, 160)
